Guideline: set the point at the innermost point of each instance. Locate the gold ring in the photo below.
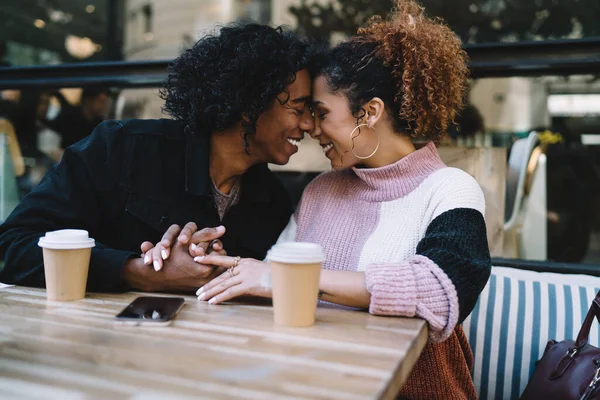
(236, 261)
(231, 274)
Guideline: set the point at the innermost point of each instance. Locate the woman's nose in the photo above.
(316, 132)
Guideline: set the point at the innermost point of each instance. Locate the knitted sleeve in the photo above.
(442, 281)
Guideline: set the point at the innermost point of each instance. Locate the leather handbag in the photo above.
(568, 370)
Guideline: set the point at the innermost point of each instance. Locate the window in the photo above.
(475, 21)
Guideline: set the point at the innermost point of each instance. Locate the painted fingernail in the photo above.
(198, 258)
(193, 247)
(220, 228)
(212, 301)
(163, 254)
(156, 266)
(199, 291)
(183, 238)
(201, 296)
(147, 259)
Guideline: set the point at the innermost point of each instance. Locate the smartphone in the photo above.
(151, 311)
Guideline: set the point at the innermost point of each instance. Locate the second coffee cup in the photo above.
(295, 275)
(66, 263)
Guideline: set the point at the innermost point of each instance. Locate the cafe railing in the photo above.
(530, 58)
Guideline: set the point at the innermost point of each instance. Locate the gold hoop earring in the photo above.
(351, 143)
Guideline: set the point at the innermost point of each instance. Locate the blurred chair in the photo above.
(6, 127)
(525, 207)
(9, 191)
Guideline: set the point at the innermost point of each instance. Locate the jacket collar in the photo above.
(256, 181)
(197, 166)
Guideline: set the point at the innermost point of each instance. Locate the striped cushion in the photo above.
(516, 314)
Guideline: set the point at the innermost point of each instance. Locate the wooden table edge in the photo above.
(405, 367)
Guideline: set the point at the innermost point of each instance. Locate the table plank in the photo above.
(75, 350)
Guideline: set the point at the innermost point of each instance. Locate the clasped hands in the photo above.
(197, 259)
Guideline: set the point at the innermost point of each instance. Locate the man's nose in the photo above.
(307, 123)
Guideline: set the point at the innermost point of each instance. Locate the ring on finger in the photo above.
(235, 264)
(210, 249)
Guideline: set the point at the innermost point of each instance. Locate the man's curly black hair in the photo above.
(239, 71)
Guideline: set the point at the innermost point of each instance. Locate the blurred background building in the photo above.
(39, 32)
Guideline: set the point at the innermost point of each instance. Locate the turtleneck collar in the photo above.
(397, 180)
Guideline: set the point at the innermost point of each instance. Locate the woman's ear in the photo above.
(374, 111)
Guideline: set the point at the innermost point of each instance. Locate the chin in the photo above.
(280, 160)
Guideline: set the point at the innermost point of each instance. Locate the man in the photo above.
(240, 99)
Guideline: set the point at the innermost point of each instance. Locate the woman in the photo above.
(404, 235)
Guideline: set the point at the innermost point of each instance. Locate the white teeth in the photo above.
(294, 142)
(327, 148)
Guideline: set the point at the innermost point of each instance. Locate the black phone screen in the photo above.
(159, 309)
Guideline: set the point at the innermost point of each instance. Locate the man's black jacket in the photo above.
(126, 183)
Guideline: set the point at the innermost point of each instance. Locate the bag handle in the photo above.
(584, 332)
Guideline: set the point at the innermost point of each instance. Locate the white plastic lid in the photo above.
(296, 253)
(67, 239)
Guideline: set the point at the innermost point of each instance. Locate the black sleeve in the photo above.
(67, 197)
(456, 241)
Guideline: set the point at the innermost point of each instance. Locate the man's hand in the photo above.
(198, 242)
(179, 274)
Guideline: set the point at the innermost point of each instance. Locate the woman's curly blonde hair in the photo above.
(414, 63)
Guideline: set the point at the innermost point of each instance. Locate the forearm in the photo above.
(107, 266)
(23, 264)
(345, 288)
(134, 275)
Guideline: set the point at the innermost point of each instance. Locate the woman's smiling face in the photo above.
(334, 123)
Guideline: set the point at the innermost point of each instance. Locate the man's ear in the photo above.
(374, 111)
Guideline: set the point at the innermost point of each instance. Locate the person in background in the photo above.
(469, 123)
(9, 104)
(8, 98)
(239, 99)
(573, 190)
(76, 122)
(404, 235)
(40, 145)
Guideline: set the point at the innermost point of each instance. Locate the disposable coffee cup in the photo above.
(295, 275)
(66, 263)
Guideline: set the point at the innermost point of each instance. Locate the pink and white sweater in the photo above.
(416, 229)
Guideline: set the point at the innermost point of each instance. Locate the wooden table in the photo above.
(73, 350)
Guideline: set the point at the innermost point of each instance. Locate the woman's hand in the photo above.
(244, 276)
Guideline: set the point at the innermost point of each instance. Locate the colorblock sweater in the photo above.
(417, 231)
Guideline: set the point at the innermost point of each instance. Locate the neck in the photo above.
(392, 148)
(228, 159)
